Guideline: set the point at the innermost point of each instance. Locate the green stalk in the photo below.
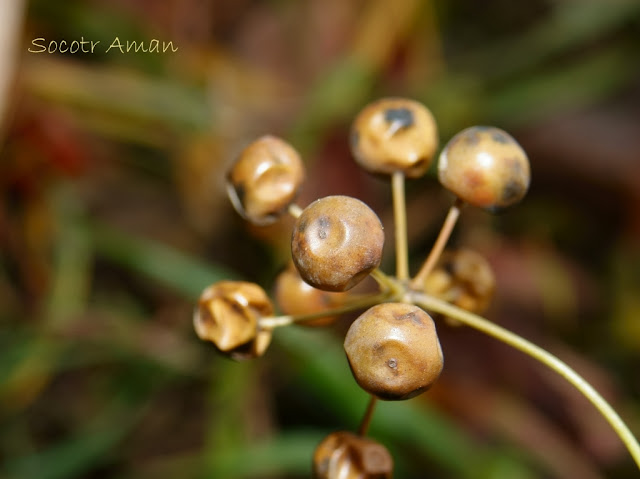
(400, 219)
(477, 322)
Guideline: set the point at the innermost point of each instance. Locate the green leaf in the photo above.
(82, 452)
(157, 261)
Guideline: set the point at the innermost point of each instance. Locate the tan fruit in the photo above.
(265, 179)
(336, 242)
(394, 134)
(343, 455)
(394, 351)
(485, 167)
(227, 315)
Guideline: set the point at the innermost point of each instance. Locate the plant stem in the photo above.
(400, 219)
(368, 415)
(385, 282)
(366, 301)
(542, 355)
(438, 247)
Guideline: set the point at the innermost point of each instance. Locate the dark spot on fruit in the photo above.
(323, 227)
(516, 167)
(302, 225)
(500, 137)
(399, 116)
(472, 137)
(511, 191)
(412, 315)
(378, 349)
(392, 363)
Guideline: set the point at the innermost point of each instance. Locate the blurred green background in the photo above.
(113, 218)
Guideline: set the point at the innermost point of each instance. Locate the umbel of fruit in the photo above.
(265, 179)
(394, 351)
(394, 134)
(336, 242)
(486, 167)
(344, 455)
(227, 315)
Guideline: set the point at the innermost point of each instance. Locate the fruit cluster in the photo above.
(392, 347)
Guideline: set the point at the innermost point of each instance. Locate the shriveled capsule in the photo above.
(227, 314)
(344, 455)
(485, 167)
(265, 179)
(394, 134)
(394, 351)
(336, 242)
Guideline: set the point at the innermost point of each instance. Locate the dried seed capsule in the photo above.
(463, 278)
(294, 296)
(347, 456)
(336, 242)
(485, 167)
(394, 134)
(227, 315)
(265, 179)
(393, 351)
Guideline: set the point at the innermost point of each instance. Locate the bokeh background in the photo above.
(113, 218)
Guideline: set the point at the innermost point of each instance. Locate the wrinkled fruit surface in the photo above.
(227, 315)
(343, 455)
(336, 242)
(265, 179)
(394, 351)
(485, 167)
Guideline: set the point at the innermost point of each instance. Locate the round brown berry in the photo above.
(485, 167)
(394, 351)
(227, 315)
(394, 134)
(336, 242)
(463, 278)
(265, 179)
(294, 296)
(345, 455)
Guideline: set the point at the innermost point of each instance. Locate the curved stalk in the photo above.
(540, 354)
(366, 301)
